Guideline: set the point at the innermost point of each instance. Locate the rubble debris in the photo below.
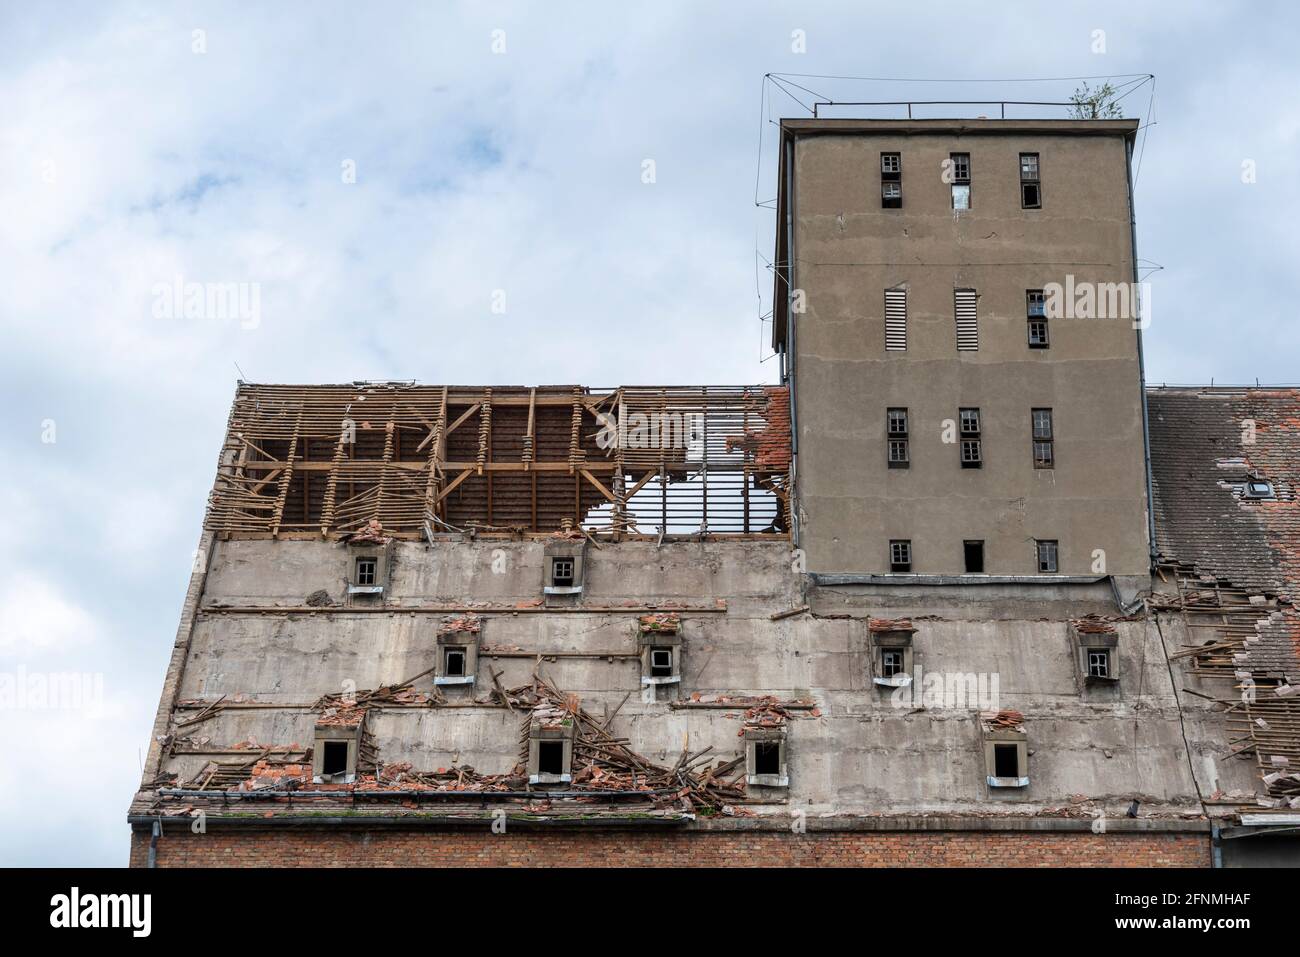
(1005, 720)
(372, 533)
(663, 621)
(888, 625)
(467, 624)
(320, 598)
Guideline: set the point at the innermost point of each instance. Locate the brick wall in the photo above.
(463, 848)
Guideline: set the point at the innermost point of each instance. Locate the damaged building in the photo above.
(959, 590)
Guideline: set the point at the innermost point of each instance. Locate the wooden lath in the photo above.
(325, 460)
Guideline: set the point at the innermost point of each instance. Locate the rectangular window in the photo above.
(550, 757)
(972, 452)
(900, 555)
(661, 662)
(1043, 439)
(964, 309)
(1006, 761)
(1031, 191)
(891, 186)
(959, 170)
(1098, 663)
(366, 568)
(562, 572)
(1037, 318)
(767, 757)
(891, 662)
(974, 554)
(334, 757)
(1047, 555)
(455, 663)
(898, 438)
(895, 320)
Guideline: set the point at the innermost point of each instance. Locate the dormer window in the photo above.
(1098, 642)
(1257, 488)
(550, 746)
(368, 566)
(891, 650)
(458, 642)
(765, 757)
(661, 650)
(338, 741)
(1006, 749)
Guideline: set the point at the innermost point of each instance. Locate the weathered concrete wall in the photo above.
(868, 752)
(848, 251)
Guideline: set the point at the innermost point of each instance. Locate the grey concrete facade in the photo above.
(841, 250)
(866, 751)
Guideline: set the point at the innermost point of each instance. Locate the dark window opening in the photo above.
(891, 662)
(455, 662)
(767, 757)
(1031, 191)
(1098, 663)
(891, 189)
(898, 440)
(366, 569)
(550, 757)
(1047, 556)
(661, 662)
(1006, 761)
(900, 555)
(1036, 311)
(562, 572)
(334, 757)
(974, 552)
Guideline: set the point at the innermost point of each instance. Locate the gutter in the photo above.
(409, 794)
(366, 822)
(1142, 370)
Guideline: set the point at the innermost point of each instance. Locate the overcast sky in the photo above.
(134, 150)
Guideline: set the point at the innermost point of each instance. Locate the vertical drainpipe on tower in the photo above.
(788, 146)
(1142, 372)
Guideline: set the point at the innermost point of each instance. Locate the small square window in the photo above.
(971, 454)
(1043, 439)
(970, 421)
(1047, 555)
(1031, 196)
(366, 570)
(767, 757)
(1098, 663)
(896, 427)
(562, 572)
(973, 552)
(960, 196)
(454, 664)
(891, 196)
(891, 662)
(891, 164)
(900, 555)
